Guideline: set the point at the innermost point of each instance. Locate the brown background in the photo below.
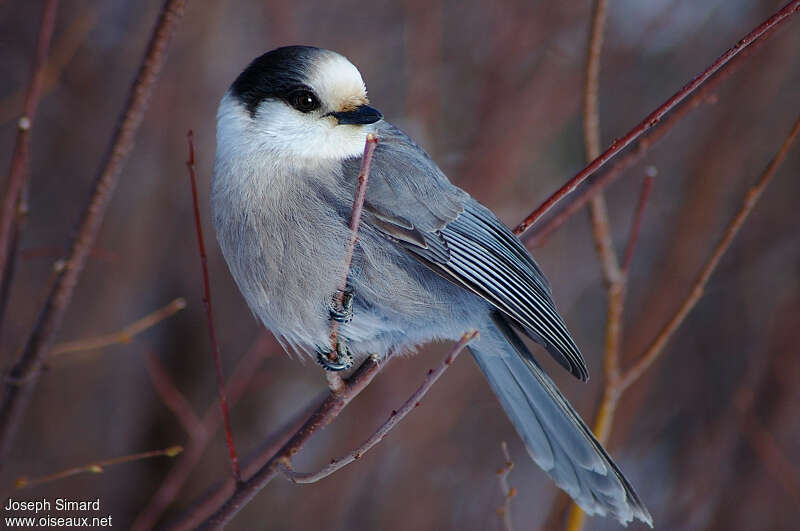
(493, 91)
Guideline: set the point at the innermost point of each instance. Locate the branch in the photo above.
(504, 511)
(97, 467)
(653, 118)
(19, 173)
(125, 335)
(25, 372)
(246, 490)
(355, 220)
(172, 398)
(751, 199)
(636, 224)
(601, 229)
(198, 441)
(383, 431)
(223, 400)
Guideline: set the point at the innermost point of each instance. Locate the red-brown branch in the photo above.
(751, 199)
(20, 160)
(25, 373)
(655, 117)
(393, 420)
(172, 397)
(636, 224)
(170, 487)
(246, 490)
(212, 334)
(355, 221)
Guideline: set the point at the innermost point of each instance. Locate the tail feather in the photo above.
(554, 434)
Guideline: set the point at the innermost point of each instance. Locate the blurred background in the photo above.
(493, 91)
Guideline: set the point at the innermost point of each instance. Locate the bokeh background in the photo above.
(492, 90)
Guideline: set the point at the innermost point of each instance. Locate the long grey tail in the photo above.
(555, 436)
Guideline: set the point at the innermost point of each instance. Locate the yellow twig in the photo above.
(98, 467)
(126, 334)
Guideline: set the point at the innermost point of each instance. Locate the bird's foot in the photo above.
(342, 313)
(341, 360)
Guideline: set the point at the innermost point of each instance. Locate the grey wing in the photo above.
(410, 201)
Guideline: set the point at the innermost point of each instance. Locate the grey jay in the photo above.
(430, 263)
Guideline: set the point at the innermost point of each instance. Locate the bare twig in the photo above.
(386, 427)
(751, 199)
(123, 336)
(25, 372)
(769, 451)
(504, 511)
(615, 387)
(62, 52)
(636, 224)
(172, 398)
(653, 118)
(601, 225)
(223, 400)
(246, 490)
(13, 209)
(355, 220)
(97, 467)
(170, 487)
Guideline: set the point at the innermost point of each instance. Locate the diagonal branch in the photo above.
(322, 416)
(751, 199)
(653, 118)
(394, 419)
(25, 373)
(172, 397)
(636, 224)
(178, 474)
(122, 336)
(97, 467)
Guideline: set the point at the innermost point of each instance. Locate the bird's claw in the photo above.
(341, 313)
(341, 361)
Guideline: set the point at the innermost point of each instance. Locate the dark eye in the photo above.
(304, 100)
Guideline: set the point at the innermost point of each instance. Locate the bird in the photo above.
(430, 263)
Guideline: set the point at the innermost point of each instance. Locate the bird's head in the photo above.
(298, 102)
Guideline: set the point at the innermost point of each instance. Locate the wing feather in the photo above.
(460, 239)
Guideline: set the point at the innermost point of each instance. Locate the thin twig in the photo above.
(61, 53)
(751, 199)
(636, 224)
(246, 490)
(171, 485)
(97, 467)
(601, 225)
(386, 427)
(653, 118)
(123, 336)
(172, 397)
(355, 221)
(223, 400)
(504, 511)
(769, 452)
(25, 373)
(18, 175)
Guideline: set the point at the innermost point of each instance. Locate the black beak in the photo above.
(360, 116)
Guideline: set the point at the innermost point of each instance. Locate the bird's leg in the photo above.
(343, 312)
(342, 361)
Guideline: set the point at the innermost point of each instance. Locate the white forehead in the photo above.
(333, 77)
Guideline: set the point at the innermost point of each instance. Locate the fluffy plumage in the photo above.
(430, 262)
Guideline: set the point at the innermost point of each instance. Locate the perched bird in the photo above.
(431, 261)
